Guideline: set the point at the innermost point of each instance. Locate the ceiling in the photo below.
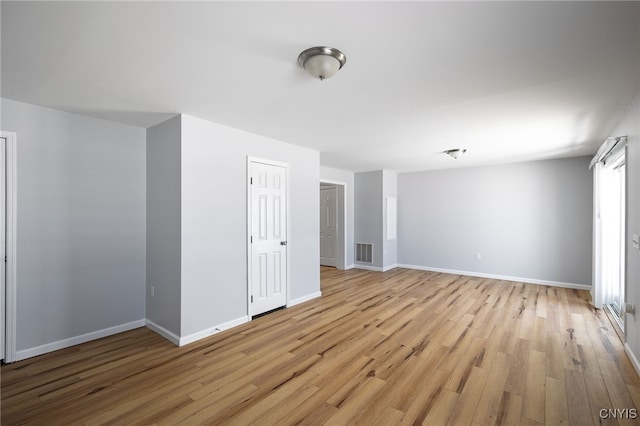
(508, 81)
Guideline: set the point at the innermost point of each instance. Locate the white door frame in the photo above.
(250, 160)
(10, 282)
(342, 226)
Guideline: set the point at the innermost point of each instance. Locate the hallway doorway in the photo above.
(333, 250)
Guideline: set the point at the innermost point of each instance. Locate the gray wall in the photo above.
(163, 224)
(369, 213)
(530, 220)
(630, 126)
(329, 174)
(89, 208)
(80, 223)
(214, 220)
(371, 192)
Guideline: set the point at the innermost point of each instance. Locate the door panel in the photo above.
(268, 230)
(328, 226)
(3, 246)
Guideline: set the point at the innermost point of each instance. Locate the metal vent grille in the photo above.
(364, 252)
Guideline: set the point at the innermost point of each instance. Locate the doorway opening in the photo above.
(333, 224)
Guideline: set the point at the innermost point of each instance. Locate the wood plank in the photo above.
(616, 387)
(390, 416)
(278, 403)
(634, 391)
(425, 399)
(463, 412)
(442, 408)
(534, 392)
(555, 361)
(376, 407)
(489, 407)
(461, 366)
(349, 409)
(555, 407)
(517, 379)
(578, 406)
(328, 384)
(200, 411)
(425, 371)
(510, 412)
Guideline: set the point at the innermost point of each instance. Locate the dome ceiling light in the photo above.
(322, 62)
(455, 153)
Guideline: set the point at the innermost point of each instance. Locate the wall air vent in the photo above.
(364, 252)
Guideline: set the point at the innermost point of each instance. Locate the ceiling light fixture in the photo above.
(322, 62)
(455, 153)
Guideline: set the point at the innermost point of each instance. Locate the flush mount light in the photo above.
(455, 153)
(322, 62)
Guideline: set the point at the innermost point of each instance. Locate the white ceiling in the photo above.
(509, 81)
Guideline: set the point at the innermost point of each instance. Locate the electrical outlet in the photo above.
(630, 309)
(153, 291)
(478, 256)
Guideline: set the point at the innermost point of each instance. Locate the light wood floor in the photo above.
(400, 347)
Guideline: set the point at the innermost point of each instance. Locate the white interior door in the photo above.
(328, 226)
(3, 245)
(268, 237)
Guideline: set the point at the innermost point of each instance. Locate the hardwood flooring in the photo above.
(400, 347)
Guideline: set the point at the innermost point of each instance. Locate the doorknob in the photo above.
(283, 243)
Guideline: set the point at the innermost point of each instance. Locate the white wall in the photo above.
(80, 226)
(163, 225)
(335, 175)
(214, 221)
(389, 189)
(630, 126)
(527, 220)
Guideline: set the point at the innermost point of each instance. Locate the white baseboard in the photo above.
(349, 266)
(632, 357)
(169, 335)
(375, 268)
(389, 267)
(72, 341)
(212, 330)
(499, 277)
(303, 299)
